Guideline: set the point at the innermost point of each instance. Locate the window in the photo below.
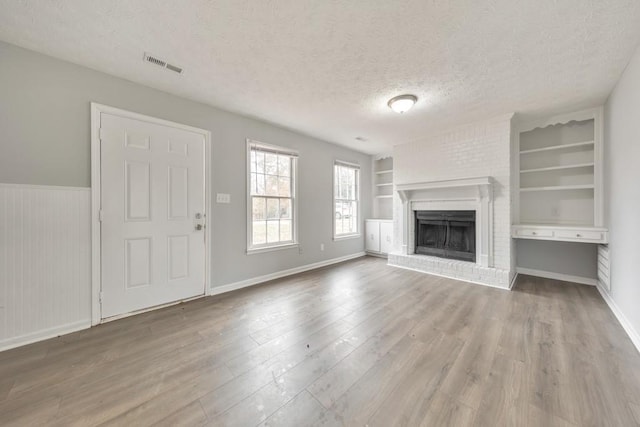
(346, 188)
(271, 196)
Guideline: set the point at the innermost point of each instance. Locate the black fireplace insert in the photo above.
(446, 234)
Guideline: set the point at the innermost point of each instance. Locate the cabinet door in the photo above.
(372, 242)
(386, 237)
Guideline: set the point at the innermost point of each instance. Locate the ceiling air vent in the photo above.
(162, 63)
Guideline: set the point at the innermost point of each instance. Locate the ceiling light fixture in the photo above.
(402, 103)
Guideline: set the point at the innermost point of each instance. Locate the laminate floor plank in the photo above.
(413, 397)
(302, 411)
(356, 343)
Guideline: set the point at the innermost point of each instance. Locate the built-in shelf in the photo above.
(559, 188)
(558, 147)
(383, 187)
(559, 178)
(557, 168)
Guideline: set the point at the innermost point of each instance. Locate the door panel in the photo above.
(386, 237)
(152, 199)
(372, 230)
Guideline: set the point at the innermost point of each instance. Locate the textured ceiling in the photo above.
(327, 67)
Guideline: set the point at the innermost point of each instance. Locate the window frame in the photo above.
(358, 231)
(267, 247)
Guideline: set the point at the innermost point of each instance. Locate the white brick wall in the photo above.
(479, 149)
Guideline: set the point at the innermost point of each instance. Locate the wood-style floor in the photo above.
(359, 343)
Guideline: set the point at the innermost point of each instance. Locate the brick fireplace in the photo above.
(467, 169)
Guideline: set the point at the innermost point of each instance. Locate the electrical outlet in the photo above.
(300, 250)
(322, 246)
(223, 198)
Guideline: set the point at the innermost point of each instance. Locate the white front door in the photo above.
(152, 201)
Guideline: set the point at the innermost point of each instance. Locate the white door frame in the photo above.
(96, 197)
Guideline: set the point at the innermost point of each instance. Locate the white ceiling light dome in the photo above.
(402, 103)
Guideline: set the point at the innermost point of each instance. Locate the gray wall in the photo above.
(45, 139)
(622, 190)
(575, 259)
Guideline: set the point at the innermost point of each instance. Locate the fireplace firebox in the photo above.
(446, 234)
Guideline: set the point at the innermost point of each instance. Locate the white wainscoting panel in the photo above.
(45, 262)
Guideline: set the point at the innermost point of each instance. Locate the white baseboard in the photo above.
(377, 254)
(556, 276)
(279, 274)
(448, 277)
(626, 325)
(513, 281)
(45, 334)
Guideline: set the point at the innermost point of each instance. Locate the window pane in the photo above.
(260, 184)
(285, 208)
(259, 162)
(259, 208)
(352, 184)
(354, 217)
(285, 230)
(272, 209)
(273, 231)
(259, 232)
(284, 186)
(271, 185)
(284, 165)
(252, 161)
(253, 188)
(271, 164)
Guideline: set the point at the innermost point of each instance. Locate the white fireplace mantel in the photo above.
(455, 194)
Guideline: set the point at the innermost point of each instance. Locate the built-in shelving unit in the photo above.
(560, 178)
(383, 187)
(379, 229)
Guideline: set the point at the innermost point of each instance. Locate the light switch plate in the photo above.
(223, 198)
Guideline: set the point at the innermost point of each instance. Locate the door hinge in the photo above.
(101, 133)
(100, 216)
(100, 297)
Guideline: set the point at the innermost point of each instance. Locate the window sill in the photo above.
(347, 236)
(254, 251)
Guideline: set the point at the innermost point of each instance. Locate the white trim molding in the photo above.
(279, 274)
(96, 112)
(44, 334)
(557, 276)
(626, 325)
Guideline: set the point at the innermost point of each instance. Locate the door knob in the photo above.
(199, 227)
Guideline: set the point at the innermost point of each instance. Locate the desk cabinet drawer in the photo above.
(580, 234)
(568, 234)
(530, 232)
